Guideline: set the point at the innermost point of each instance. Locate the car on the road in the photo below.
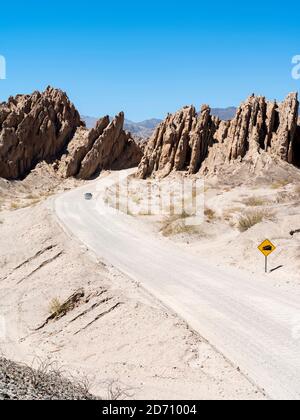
(88, 196)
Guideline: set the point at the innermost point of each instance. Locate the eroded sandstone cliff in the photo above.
(201, 142)
(107, 146)
(33, 128)
(47, 127)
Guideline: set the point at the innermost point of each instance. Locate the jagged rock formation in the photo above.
(33, 128)
(107, 146)
(201, 142)
(47, 127)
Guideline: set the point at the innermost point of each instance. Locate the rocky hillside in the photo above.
(144, 129)
(33, 128)
(47, 127)
(200, 142)
(107, 146)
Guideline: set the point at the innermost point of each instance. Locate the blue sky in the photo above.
(152, 58)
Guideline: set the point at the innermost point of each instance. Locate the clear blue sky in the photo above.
(152, 58)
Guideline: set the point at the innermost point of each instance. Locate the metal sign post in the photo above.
(266, 264)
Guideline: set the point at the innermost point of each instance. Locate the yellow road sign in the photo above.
(266, 247)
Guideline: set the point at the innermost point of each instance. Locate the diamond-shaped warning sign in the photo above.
(266, 247)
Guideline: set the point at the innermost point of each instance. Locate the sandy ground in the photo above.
(272, 197)
(39, 185)
(248, 319)
(115, 331)
(279, 206)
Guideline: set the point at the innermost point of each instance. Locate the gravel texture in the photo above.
(21, 382)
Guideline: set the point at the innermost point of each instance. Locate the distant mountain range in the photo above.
(90, 122)
(224, 113)
(144, 129)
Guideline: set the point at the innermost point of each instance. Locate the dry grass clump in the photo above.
(31, 197)
(254, 201)
(27, 200)
(178, 224)
(285, 197)
(279, 184)
(56, 308)
(43, 380)
(246, 221)
(34, 201)
(115, 391)
(15, 206)
(209, 213)
(229, 212)
(136, 199)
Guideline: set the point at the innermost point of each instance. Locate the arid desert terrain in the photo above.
(134, 305)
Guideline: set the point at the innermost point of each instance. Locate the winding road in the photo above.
(253, 324)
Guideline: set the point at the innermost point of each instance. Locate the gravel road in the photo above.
(244, 317)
